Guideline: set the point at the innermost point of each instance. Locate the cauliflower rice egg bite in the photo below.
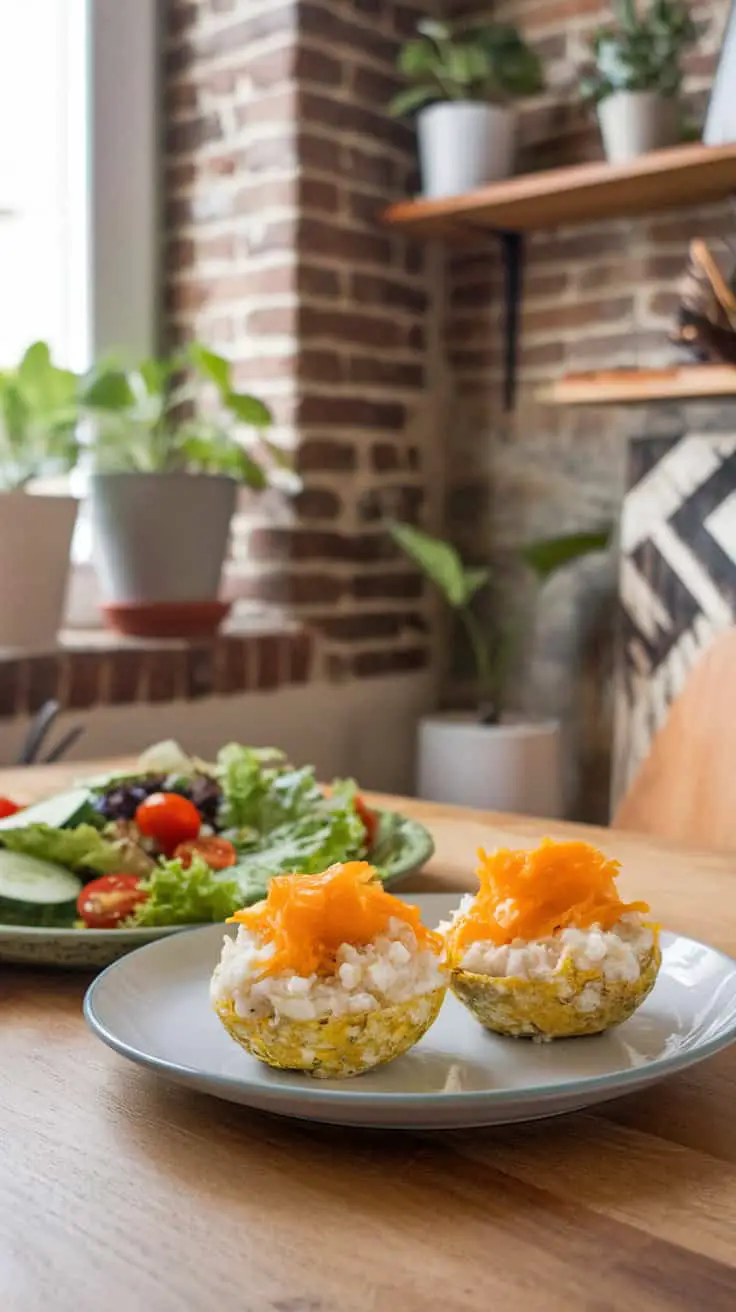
(547, 949)
(330, 974)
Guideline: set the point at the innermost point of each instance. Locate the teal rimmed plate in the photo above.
(153, 1008)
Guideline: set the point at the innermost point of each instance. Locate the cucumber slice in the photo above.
(59, 812)
(26, 879)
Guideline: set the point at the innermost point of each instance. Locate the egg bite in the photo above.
(546, 948)
(330, 974)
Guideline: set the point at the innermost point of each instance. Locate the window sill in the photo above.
(98, 668)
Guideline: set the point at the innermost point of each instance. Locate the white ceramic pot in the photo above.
(635, 122)
(493, 767)
(35, 542)
(463, 144)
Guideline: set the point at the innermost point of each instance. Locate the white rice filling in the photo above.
(616, 954)
(390, 970)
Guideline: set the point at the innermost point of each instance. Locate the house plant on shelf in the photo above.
(167, 468)
(463, 81)
(38, 445)
(637, 77)
(490, 759)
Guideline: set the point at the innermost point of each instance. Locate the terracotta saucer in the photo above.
(166, 619)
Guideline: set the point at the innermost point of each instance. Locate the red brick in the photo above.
(301, 649)
(391, 373)
(350, 411)
(322, 455)
(318, 503)
(363, 626)
(320, 237)
(318, 366)
(242, 35)
(394, 501)
(301, 544)
(276, 319)
(372, 289)
(578, 314)
(188, 134)
(43, 681)
(378, 331)
(386, 457)
(387, 586)
(314, 280)
(314, 65)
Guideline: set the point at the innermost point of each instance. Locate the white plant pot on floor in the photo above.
(463, 144)
(493, 767)
(635, 122)
(35, 541)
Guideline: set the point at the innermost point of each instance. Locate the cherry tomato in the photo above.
(103, 903)
(169, 820)
(369, 820)
(7, 807)
(218, 853)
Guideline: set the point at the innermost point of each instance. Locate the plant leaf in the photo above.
(475, 579)
(215, 367)
(109, 390)
(437, 559)
(406, 102)
(249, 409)
(547, 556)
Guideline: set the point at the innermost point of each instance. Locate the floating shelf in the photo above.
(662, 180)
(637, 386)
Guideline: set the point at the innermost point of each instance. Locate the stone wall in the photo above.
(279, 157)
(595, 297)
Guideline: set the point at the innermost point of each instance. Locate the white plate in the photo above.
(153, 1007)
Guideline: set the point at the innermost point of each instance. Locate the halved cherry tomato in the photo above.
(169, 820)
(218, 853)
(103, 903)
(7, 807)
(369, 820)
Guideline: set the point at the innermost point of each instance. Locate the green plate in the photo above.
(402, 847)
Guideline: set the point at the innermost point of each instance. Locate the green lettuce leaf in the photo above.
(245, 778)
(81, 849)
(195, 896)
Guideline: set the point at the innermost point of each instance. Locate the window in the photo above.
(43, 180)
(78, 200)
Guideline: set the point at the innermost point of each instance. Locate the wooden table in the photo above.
(120, 1193)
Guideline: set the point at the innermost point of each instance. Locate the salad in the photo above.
(180, 841)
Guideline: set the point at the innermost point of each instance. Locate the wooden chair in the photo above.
(686, 788)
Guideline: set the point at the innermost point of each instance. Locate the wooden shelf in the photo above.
(664, 179)
(638, 386)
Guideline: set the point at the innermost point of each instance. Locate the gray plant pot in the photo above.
(635, 122)
(463, 144)
(160, 537)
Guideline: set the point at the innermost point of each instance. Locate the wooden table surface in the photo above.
(120, 1193)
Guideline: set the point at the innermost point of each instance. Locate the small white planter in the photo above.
(35, 541)
(463, 144)
(492, 767)
(635, 122)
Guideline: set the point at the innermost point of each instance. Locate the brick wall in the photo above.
(279, 155)
(595, 297)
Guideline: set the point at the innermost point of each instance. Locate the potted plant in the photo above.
(167, 469)
(638, 75)
(463, 82)
(490, 759)
(38, 443)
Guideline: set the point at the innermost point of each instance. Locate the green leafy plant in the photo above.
(641, 51)
(442, 564)
(492, 63)
(39, 410)
(151, 418)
